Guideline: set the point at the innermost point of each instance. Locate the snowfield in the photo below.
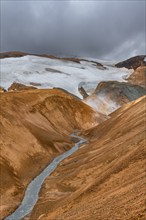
(51, 73)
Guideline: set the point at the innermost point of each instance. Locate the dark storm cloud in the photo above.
(103, 29)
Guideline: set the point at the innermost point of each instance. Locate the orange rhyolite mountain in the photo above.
(104, 179)
(35, 126)
(138, 77)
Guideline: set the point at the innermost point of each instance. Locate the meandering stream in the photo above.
(32, 192)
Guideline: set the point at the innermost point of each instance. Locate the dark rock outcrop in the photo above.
(35, 84)
(110, 95)
(83, 92)
(120, 91)
(133, 62)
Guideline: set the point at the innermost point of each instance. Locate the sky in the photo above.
(111, 29)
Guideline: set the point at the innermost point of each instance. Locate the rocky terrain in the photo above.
(18, 87)
(105, 178)
(110, 95)
(133, 62)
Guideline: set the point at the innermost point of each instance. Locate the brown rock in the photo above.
(2, 89)
(19, 87)
(138, 77)
(133, 63)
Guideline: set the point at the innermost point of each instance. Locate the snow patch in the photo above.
(33, 69)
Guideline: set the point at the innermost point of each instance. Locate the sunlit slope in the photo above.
(104, 179)
(138, 77)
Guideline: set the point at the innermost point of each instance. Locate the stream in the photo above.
(32, 192)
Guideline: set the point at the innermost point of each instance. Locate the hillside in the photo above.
(35, 126)
(110, 95)
(138, 77)
(105, 179)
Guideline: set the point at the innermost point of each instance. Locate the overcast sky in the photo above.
(103, 29)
